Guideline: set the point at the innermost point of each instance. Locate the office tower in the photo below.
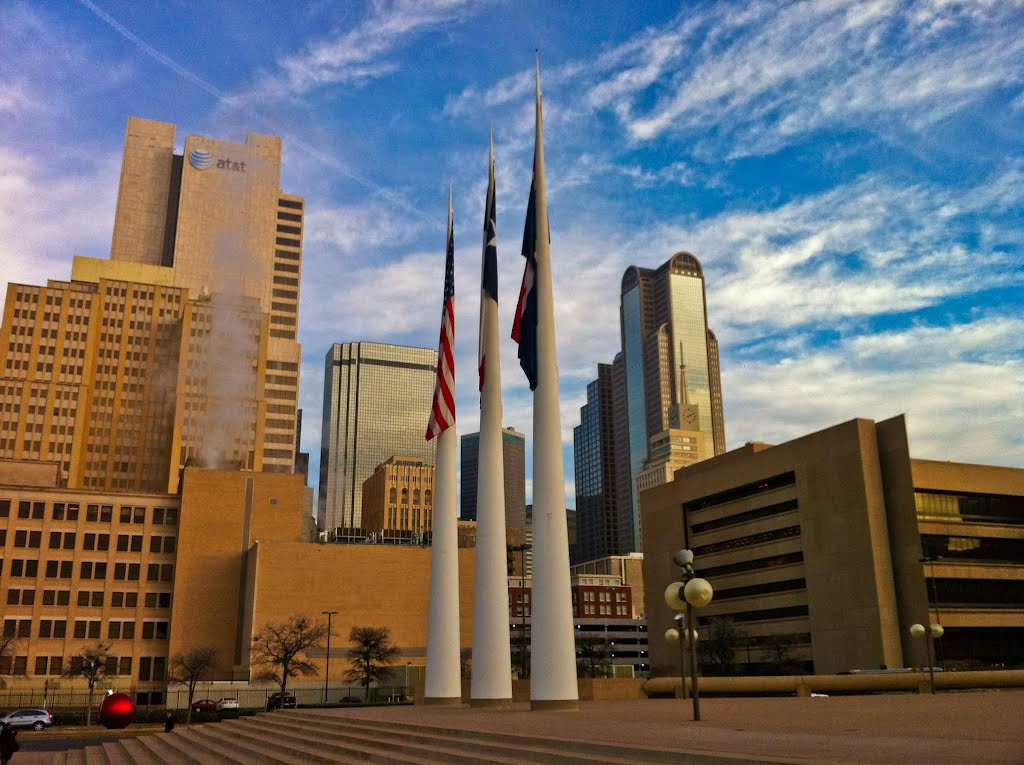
(216, 217)
(179, 350)
(594, 457)
(670, 377)
(513, 459)
(399, 496)
(377, 400)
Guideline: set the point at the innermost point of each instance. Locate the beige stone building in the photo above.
(833, 544)
(181, 349)
(399, 496)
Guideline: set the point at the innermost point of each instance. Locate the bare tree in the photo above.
(781, 648)
(190, 667)
(718, 640)
(97, 664)
(8, 644)
(278, 646)
(593, 657)
(371, 655)
(465, 663)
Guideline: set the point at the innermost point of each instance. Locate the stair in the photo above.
(298, 737)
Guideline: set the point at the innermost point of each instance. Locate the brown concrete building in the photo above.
(819, 542)
(399, 496)
(627, 568)
(156, 574)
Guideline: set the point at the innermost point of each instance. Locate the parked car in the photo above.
(204, 705)
(36, 719)
(227, 703)
(279, 701)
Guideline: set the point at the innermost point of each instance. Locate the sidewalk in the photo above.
(969, 727)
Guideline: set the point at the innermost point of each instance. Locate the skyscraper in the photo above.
(216, 216)
(377, 400)
(513, 460)
(180, 349)
(665, 389)
(594, 457)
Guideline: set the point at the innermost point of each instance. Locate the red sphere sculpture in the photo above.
(117, 710)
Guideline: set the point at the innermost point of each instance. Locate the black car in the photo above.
(281, 701)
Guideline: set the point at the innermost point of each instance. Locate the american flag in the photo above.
(442, 413)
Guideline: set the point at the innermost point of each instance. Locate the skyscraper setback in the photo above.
(663, 399)
(181, 349)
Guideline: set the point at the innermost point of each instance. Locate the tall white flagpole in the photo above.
(443, 683)
(552, 643)
(491, 684)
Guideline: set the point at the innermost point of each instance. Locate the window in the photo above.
(136, 543)
(124, 666)
(166, 572)
(122, 543)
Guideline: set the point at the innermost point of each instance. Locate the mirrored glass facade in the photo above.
(377, 400)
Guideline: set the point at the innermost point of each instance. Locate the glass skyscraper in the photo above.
(513, 458)
(666, 346)
(377, 400)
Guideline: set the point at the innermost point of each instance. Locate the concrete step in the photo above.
(116, 754)
(227, 751)
(549, 750)
(373, 748)
(139, 753)
(523, 749)
(94, 755)
(260, 748)
(178, 750)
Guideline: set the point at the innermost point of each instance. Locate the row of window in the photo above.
(150, 667)
(69, 511)
(63, 569)
(66, 541)
(88, 598)
(85, 628)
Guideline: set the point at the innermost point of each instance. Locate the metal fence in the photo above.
(176, 696)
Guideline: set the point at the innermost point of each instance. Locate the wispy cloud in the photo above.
(351, 57)
(960, 386)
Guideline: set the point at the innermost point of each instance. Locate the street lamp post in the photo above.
(929, 633)
(327, 669)
(930, 559)
(688, 593)
(521, 549)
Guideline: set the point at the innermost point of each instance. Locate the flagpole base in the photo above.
(442, 701)
(554, 705)
(490, 703)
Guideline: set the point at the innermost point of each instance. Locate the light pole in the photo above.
(521, 549)
(327, 669)
(672, 635)
(688, 593)
(930, 632)
(935, 596)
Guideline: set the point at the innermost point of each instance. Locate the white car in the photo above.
(227, 703)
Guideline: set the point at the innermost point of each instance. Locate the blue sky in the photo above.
(850, 175)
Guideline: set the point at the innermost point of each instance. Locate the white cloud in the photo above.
(47, 218)
(961, 387)
(365, 52)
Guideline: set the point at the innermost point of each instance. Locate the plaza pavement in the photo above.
(968, 727)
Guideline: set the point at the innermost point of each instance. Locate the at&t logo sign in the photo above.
(201, 159)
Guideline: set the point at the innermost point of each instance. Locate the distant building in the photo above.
(377, 400)
(571, 531)
(656, 407)
(594, 459)
(628, 569)
(831, 545)
(664, 331)
(603, 610)
(399, 496)
(513, 458)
